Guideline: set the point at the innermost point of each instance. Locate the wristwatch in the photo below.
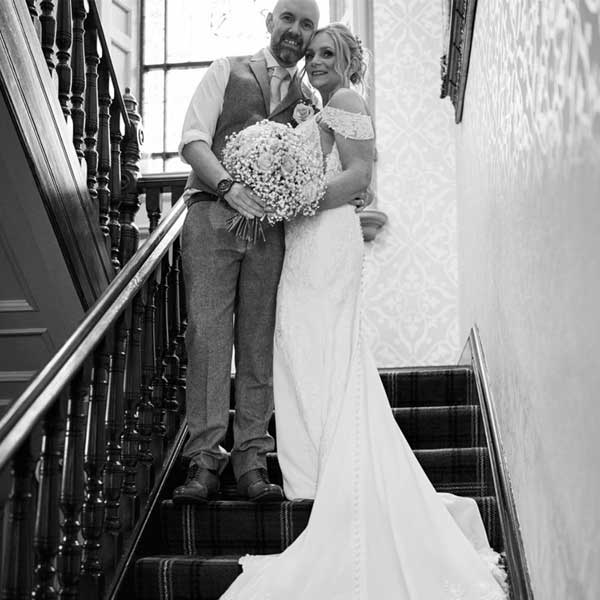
(224, 186)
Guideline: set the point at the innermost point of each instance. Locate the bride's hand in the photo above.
(361, 201)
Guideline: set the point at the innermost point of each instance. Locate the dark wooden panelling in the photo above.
(38, 122)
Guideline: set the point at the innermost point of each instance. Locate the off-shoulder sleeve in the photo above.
(351, 125)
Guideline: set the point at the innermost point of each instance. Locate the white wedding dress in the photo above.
(378, 530)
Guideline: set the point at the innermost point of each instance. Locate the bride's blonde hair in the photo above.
(350, 63)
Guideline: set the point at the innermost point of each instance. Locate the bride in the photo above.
(378, 530)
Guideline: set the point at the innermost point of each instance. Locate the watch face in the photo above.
(224, 186)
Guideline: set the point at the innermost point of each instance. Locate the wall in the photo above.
(411, 270)
(528, 158)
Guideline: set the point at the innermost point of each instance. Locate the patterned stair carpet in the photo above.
(199, 546)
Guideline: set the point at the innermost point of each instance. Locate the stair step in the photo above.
(425, 427)
(460, 471)
(184, 577)
(423, 386)
(238, 527)
(428, 386)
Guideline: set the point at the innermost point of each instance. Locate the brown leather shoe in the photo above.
(255, 485)
(200, 486)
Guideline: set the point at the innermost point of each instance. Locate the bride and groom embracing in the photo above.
(291, 307)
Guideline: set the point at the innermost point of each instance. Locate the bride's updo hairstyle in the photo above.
(350, 57)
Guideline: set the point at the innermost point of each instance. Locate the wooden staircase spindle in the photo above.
(92, 60)
(172, 404)
(80, 11)
(153, 208)
(64, 39)
(72, 486)
(17, 567)
(47, 530)
(48, 23)
(146, 408)
(104, 148)
(114, 225)
(159, 381)
(113, 469)
(94, 506)
(130, 172)
(33, 13)
(133, 378)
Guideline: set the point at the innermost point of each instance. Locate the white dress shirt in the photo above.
(205, 107)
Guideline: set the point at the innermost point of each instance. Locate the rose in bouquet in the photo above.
(275, 162)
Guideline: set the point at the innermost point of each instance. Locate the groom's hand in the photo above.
(242, 199)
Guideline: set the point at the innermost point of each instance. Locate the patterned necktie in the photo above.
(280, 83)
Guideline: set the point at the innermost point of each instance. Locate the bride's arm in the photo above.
(356, 155)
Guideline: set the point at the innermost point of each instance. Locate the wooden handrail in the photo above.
(23, 415)
(520, 584)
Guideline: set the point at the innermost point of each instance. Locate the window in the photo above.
(179, 40)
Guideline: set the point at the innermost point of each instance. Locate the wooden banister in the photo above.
(22, 416)
(108, 408)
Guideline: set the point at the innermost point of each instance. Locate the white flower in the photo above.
(288, 166)
(302, 112)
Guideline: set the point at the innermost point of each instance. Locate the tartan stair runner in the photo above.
(195, 553)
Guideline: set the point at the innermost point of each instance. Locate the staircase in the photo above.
(192, 551)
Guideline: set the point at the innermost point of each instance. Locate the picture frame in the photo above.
(458, 24)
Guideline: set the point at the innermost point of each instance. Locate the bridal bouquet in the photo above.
(276, 163)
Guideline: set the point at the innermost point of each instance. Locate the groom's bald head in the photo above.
(291, 24)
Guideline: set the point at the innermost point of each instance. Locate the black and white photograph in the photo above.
(299, 299)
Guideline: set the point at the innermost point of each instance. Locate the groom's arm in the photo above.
(207, 166)
(199, 127)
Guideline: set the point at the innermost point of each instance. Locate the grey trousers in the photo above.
(231, 289)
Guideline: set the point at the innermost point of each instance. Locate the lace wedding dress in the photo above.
(378, 530)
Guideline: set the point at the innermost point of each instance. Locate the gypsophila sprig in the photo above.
(276, 164)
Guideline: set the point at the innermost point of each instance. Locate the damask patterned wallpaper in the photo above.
(411, 269)
(528, 158)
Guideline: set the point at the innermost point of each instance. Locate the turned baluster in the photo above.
(94, 506)
(104, 150)
(80, 10)
(92, 60)
(113, 468)
(47, 530)
(133, 377)
(17, 567)
(114, 226)
(64, 37)
(146, 409)
(175, 325)
(48, 23)
(72, 486)
(171, 359)
(130, 172)
(33, 13)
(153, 207)
(151, 368)
(181, 323)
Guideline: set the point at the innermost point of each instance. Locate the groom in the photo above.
(231, 285)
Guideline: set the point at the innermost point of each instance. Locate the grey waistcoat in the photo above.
(246, 101)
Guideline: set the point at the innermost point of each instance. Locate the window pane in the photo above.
(213, 28)
(153, 111)
(152, 165)
(181, 84)
(154, 31)
(174, 165)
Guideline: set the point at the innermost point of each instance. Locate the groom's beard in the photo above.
(288, 55)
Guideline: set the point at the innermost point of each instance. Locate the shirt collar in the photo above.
(272, 62)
